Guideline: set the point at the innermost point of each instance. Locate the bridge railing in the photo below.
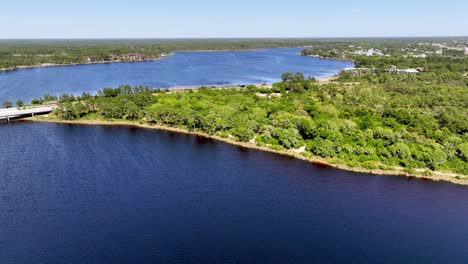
(6, 113)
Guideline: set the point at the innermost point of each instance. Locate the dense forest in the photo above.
(405, 121)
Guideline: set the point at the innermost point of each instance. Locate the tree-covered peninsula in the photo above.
(398, 122)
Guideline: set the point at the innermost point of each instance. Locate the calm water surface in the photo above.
(181, 69)
(91, 194)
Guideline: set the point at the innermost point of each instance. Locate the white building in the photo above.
(407, 71)
(370, 52)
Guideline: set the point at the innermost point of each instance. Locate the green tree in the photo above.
(7, 104)
(111, 108)
(243, 133)
(66, 98)
(49, 98)
(463, 150)
(297, 88)
(288, 138)
(36, 101)
(19, 104)
(65, 111)
(131, 110)
(110, 92)
(80, 109)
(287, 76)
(85, 96)
(323, 148)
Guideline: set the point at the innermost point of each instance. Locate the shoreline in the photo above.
(221, 50)
(437, 176)
(320, 80)
(327, 58)
(23, 67)
(246, 49)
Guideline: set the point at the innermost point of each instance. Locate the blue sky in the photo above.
(234, 18)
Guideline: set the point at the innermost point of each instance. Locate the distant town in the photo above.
(135, 56)
(390, 54)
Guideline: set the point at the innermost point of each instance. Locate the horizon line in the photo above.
(207, 38)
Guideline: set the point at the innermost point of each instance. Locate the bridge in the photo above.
(8, 114)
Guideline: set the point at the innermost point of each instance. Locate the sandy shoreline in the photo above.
(320, 80)
(437, 176)
(327, 58)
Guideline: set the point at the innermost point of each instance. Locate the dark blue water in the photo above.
(90, 194)
(181, 69)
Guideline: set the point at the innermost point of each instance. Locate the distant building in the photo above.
(358, 70)
(394, 69)
(404, 71)
(370, 52)
(113, 57)
(134, 56)
(420, 56)
(353, 72)
(92, 59)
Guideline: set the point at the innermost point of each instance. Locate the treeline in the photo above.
(106, 92)
(34, 52)
(373, 125)
(433, 63)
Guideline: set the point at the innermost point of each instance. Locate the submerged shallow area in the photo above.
(100, 194)
(180, 69)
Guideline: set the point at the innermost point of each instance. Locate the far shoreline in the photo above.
(437, 176)
(327, 58)
(24, 67)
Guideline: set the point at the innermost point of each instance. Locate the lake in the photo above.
(180, 69)
(101, 194)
